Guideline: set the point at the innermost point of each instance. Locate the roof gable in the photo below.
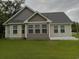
(20, 16)
(36, 17)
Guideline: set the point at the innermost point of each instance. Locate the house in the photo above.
(34, 25)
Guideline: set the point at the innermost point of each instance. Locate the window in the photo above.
(62, 28)
(14, 29)
(23, 29)
(37, 28)
(44, 28)
(55, 28)
(30, 28)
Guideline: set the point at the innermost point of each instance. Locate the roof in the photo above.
(25, 13)
(22, 16)
(58, 17)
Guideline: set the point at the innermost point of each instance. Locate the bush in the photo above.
(75, 27)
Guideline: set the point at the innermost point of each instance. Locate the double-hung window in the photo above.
(37, 28)
(55, 28)
(44, 28)
(62, 28)
(14, 29)
(30, 28)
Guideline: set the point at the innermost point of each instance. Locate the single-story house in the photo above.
(31, 24)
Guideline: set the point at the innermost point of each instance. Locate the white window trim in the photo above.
(37, 28)
(31, 28)
(15, 29)
(44, 28)
(62, 28)
(40, 28)
(59, 29)
(56, 29)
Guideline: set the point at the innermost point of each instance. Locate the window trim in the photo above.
(30, 28)
(37, 29)
(62, 28)
(44, 28)
(15, 29)
(56, 28)
(30, 32)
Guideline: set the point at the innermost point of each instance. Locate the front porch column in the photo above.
(19, 31)
(6, 31)
(49, 30)
(26, 30)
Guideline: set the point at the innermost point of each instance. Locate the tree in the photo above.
(7, 9)
(3, 17)
(11, 7)
(75, 27)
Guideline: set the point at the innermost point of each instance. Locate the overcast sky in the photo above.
(70, 7)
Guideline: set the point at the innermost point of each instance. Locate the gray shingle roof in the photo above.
(22, 16)
(58, 17)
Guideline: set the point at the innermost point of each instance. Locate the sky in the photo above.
(70, 7)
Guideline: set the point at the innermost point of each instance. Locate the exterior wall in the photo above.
(50, 32)
(9, 34)
(37, 17)
(40, 35)
(7, 31)
(67, 33)
(19, 32)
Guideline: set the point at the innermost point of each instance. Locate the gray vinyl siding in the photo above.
(37, 17)
(37, 36)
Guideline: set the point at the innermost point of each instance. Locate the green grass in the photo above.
(22, 49)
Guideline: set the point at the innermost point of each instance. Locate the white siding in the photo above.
(9, 34)
(26, 31)
(7, 31)
(67, 33)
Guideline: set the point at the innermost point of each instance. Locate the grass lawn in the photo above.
(22, 49)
